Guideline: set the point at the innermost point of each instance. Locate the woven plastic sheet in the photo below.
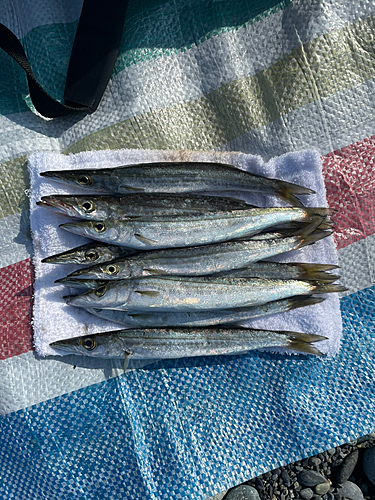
(187, 429)
(198, 75)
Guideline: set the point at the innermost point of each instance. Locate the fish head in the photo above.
(107, 270)
(95, 229)
(96, 345)
(83, 207)
(105, 295)
(82, 178)
(70, 257)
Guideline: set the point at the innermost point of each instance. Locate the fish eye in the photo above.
(91, 255)
(100, 291)
(112, 269)
(88, 343)
(84, 180)
(99, 227)
(88, 206)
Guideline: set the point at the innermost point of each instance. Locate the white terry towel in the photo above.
(54, 320)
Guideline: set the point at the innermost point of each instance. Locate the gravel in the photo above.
(344, 472)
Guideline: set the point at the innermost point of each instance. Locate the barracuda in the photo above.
(190, 294)
(176, 177)
(182, 231)
(96, 207)
(201, 260)
(135, 319)
(184, 342)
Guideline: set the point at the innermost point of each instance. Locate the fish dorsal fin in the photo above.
(148, 293)
(144, 239)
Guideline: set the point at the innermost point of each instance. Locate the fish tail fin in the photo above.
(304, 348)
(329, 288)
(287, 192)
(317, 235)
(302, 342)
(318, 272)
(304, 300)
(322, 211)
(327, 224)
(316, 267)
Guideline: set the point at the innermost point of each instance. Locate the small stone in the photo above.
(367, 437)
(267, 475)
(330, 496)
(347, 467)
(368, 463)
(298, 468)
(322, 488)
(306, 493)
(259, 483)
(285, 477)
(243, 492)
(350, 490)
(296, 486)
(310, 478)
(364, 488)
(314, 461)
(331, 451)
(274, 477)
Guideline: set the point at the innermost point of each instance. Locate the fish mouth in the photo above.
(75, 227)
(51, 174)
(59, 205)
(79, 272)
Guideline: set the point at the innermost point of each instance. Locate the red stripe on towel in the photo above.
(349, 175)
(16, 309)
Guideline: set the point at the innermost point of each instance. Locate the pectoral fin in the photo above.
(127, 355)
(144, 239)
(148, 293)
(152, 271)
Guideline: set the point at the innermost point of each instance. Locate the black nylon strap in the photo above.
(93, 56)
(95, 50)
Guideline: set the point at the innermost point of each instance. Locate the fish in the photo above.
(183, 231)
(197, 261)
(98, 207)
(94, 252)
(172, 343)
(143, 319)
(176, 293)
(176, 177)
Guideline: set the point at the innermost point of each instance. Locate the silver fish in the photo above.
(90, 253)
(184, 342)
(182, 231)
(135, 319)
(194, 261)
(97, 207)
(189, 294)
(176, 177)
